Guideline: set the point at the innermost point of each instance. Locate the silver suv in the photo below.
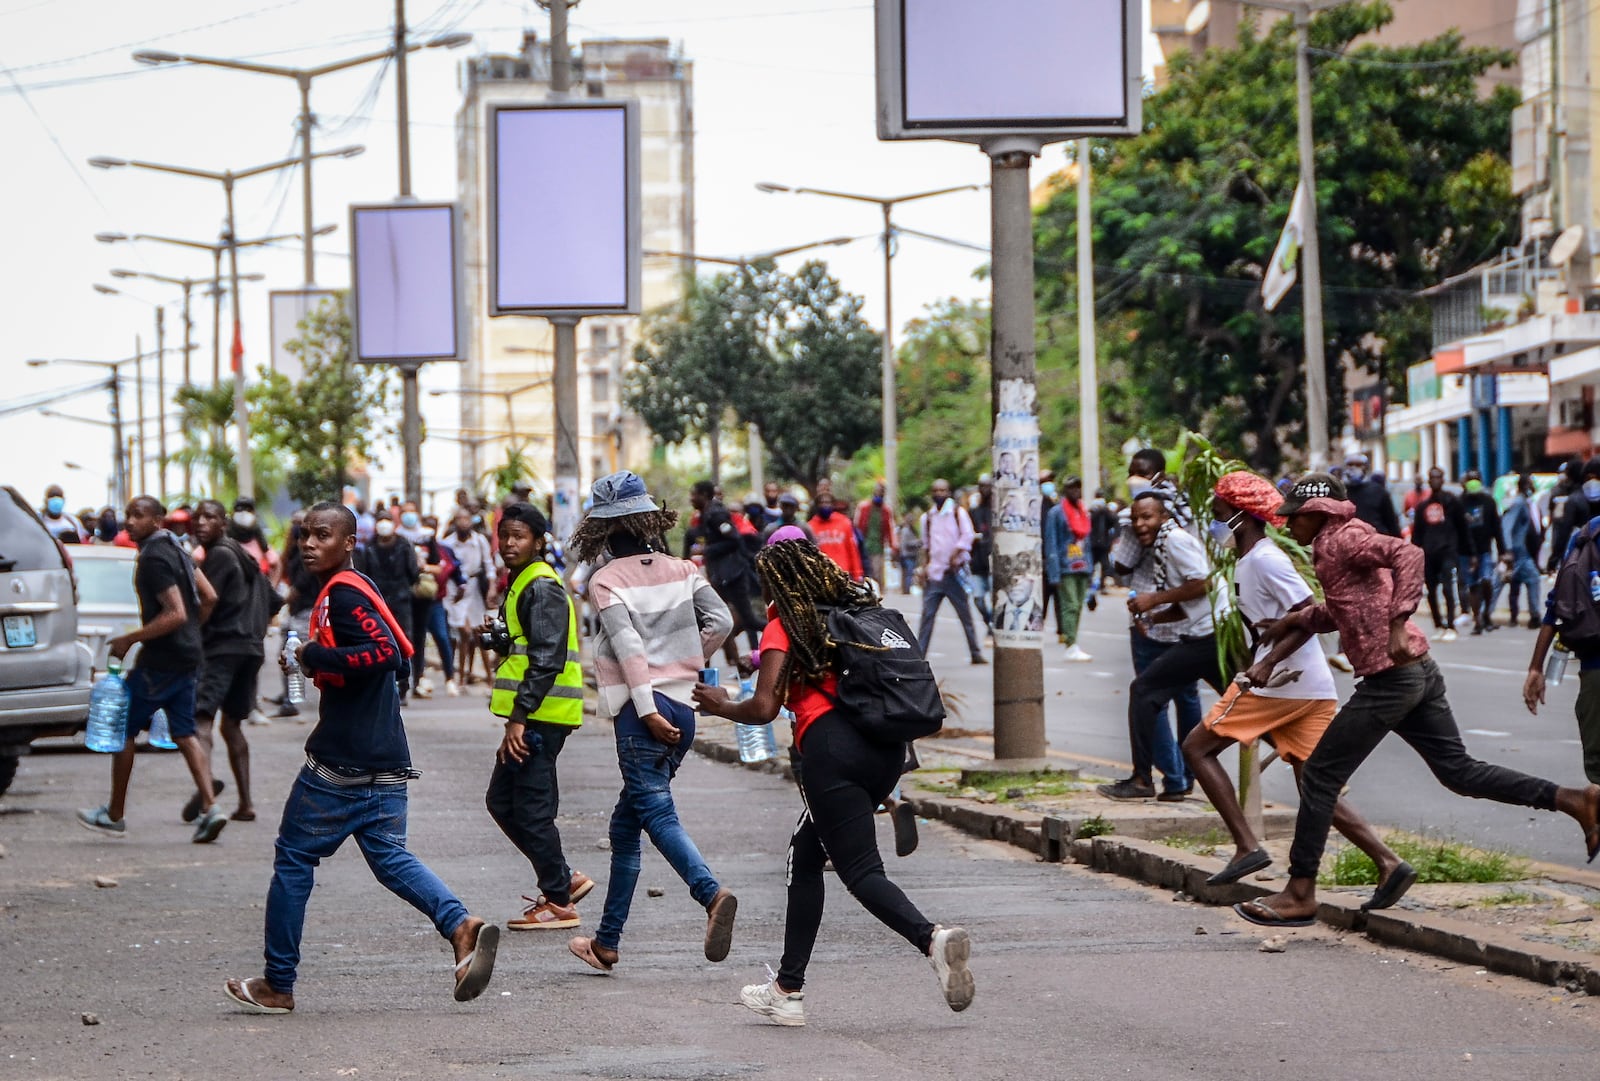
(44, 671)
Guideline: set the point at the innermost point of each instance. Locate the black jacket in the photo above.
(1441, 526)
(1374, 506)
(359, 723)
(1483, 523)
(727, 559)
(393, 569)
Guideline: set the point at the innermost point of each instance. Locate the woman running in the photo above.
(845, 778)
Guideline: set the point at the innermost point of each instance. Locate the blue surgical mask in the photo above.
(1220, 534)
(1591, 489)
(409, 519)
(55, 505)
(1048, 489)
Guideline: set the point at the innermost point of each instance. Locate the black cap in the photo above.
(1312, 486)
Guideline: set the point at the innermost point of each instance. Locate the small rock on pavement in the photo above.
(1182, 896)
(1275, 944)
(2, 852)
(603, 844)
(104, 882)
(90, 1018)
(970, 792)
(1201, 931)
(655, 891)
(1015, 793)
(989, 797)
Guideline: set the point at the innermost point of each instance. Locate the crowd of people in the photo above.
(363, 590)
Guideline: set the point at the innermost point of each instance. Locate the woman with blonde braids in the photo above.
(846, 776)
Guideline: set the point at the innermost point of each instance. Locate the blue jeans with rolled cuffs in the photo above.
(317, 818)
(645, 807)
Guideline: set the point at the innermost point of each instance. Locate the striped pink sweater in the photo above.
(659, 622)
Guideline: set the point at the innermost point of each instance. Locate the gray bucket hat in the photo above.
(619, 495)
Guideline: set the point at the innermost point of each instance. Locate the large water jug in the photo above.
(108, 712)
(160, 734)
(757, 742)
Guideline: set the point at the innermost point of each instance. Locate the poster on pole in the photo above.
(287, 309)
(564, 212)
(405, 283)
(1044, 69)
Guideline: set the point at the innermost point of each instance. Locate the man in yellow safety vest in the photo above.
(538, 689)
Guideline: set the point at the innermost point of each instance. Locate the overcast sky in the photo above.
(783, 91)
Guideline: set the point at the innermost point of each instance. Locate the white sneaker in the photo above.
(257, 717)
(779, 1007)
(1076, 655)
(1463, 619)
(452, 688)
(424, 688)
(948, 955)
(1449, 635)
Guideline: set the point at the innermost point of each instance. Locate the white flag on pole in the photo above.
(1283, 270)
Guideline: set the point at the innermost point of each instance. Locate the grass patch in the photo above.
(1032, 784)
(1434, 860)
(1202, 843)
(1510, 897)
(1095, 826)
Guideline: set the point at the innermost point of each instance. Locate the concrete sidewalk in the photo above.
(1079, 974)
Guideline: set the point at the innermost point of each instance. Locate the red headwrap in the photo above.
(1254, 494)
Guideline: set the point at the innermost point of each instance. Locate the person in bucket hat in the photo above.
(660, 622)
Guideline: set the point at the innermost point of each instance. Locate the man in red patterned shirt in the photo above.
(1371, 586)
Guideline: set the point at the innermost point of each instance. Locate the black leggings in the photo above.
(1442, 569)
(845, 779)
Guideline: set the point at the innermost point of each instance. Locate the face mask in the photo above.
(55, 505)
(1138, 484)
(245, 519)
(1222, 533)
(1353, 475)
(1591, 489)
(385, 528)
(824, 513)
(409, 519)
(877, 501)
(939, 501)
(1474, 486)
(1048, 489)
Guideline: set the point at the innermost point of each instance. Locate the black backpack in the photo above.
(1577, 613)
(886, 687)
(263, 600)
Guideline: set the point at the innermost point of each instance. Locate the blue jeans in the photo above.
(645, 806)
(1161, 746)
(1524, 572)
(429, 618)
(317, 817)
(948, 588)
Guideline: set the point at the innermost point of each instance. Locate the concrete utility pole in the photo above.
(411, 423)
(1088, 363)
(161, 402)
(1310, 253)
(138, 389)
(1017, 562)
(568, 475)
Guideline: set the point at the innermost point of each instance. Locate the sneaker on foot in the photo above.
(1449, 635)
(1076, 655)
(779, 1007)
(1129, 788)
(452, 688)
(423, 689)
(580, 887)
(209, 826)
(543, 915)
(257, 717)
(99, 820)
(948, 953)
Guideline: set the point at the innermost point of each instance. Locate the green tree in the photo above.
(1413, 186)
(788, 352)
(332, 416)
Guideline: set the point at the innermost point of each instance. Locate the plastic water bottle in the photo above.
(295, 693)
(757, 742)
(1555, 668)
(108, 712)
(1594, 586)
(160, 734)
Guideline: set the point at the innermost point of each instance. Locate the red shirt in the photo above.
(836, 536)
(1368, 581)
(805, 700)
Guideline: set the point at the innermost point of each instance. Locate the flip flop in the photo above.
(583, 949)
(1401, 879)
(1239, 867)
(1273, 920)
(1591, 837)
(247, 1001)
(242, 816)
(479, 964)
(719, 924)
(905, 829)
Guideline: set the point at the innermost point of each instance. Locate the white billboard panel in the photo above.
(288, 308)
(405, 283)
(564, 229)
(1054, 69)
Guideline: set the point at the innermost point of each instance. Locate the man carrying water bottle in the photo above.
(174, 599)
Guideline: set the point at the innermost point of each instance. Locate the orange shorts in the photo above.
(1292, 725)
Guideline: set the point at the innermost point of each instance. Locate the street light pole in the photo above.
(161, 401)
(568, 474)
(1310, 251)
(891, 423)
(1088, 362)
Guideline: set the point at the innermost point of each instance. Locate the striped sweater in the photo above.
(660, 621)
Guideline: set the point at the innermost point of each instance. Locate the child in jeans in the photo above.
(660, 622)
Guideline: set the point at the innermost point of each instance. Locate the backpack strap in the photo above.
(361, 585)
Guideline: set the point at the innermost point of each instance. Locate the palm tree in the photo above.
(517, 467)
(207, 419)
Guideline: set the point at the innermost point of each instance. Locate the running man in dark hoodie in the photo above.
(354, 781)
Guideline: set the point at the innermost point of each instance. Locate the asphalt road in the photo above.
(1078, 975)
(1086, 714)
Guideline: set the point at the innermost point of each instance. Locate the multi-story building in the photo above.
(511, 352)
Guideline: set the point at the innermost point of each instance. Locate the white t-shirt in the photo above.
(1184, 560)
(1268, 587)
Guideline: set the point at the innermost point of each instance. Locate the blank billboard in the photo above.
(288, 308)
(405, 282)
(1052, 68)
(564, 209)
